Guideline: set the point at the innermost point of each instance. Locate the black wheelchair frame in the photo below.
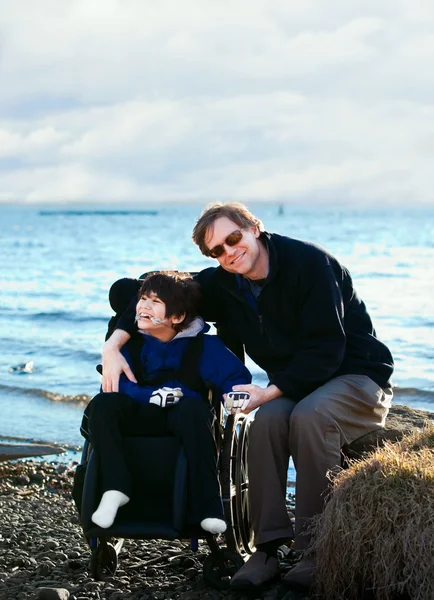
(232, 439)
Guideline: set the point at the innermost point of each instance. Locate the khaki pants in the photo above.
(313, 432)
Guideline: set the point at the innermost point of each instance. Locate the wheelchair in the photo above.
(157, 509)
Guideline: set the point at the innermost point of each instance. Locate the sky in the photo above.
(202, 100)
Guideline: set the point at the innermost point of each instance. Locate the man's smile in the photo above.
(238, 258)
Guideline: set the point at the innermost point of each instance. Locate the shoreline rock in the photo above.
(43, 550)
(14, 451)
(400, 421)
(42, 546)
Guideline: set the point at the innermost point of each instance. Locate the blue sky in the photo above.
(157, 100)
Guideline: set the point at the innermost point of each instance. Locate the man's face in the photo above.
(246, 257)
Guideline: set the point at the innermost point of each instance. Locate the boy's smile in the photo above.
(151, 317)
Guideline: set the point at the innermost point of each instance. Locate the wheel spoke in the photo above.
(242, 488)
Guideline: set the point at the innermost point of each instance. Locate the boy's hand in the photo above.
(166, 396)
(236, 402)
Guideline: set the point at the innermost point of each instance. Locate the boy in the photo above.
(167, 398)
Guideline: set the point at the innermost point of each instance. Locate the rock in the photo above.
(23, 480)
(92, 585)
(212, 595)
(60, 557)
(271, 594)
(74, 565)
(42, 532)
(189, 562)
(400, 421)
(45, 568)
(27, 367)
(37, 477)
(53, 594)
(191, 573)
(51, 544)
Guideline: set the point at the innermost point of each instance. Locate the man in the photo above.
(294, 308)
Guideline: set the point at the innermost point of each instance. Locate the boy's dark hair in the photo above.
(179, 292)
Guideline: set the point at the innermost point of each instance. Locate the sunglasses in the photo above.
(232, 240)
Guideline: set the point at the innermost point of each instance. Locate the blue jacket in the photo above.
(218, 365)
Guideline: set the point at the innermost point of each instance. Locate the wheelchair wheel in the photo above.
(218, 568)
(227, 480)
(103, 561)
(242, 505)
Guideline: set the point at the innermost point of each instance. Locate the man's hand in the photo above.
(113, 363)
(166, 396)
(258, 395)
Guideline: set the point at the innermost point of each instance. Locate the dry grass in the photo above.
(376, 536)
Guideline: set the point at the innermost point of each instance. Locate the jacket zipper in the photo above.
(241, 298)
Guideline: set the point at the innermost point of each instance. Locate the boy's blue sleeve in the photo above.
(220, 367)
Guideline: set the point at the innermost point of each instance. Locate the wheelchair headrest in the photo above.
(122, 292)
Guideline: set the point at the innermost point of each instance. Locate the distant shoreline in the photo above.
(110, 213)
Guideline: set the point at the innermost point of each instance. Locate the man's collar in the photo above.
(265, 238)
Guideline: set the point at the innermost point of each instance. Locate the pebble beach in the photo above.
(43, 553)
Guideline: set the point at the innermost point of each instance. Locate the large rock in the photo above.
(400, 421)
(22, 450)
(53, 594)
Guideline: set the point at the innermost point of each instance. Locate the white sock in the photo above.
(111, 501)
(213, 525)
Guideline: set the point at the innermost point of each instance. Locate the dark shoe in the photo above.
(302, 575)
(258, 570)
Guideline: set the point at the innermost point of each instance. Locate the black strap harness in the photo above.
(187, 373)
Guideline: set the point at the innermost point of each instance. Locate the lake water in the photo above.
(58, 264)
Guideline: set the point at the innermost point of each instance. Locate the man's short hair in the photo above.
(234, 211)
(179, 292)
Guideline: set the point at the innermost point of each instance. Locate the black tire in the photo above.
(103, 562)
(242, 503)
(219, 568)
(227, 480)
(79, 477)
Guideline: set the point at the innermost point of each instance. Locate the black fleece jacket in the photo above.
(309, 325)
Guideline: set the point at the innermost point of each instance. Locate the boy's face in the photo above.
(151, 314)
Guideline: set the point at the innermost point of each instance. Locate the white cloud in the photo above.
(16, 144)
(145, 100)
